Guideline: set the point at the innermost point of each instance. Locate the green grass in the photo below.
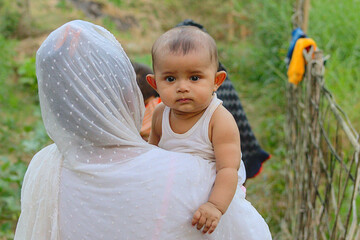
(21, 131)
(22, 134)
(335, 29)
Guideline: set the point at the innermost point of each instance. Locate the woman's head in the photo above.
(87, 88)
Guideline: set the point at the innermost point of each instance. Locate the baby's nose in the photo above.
(182, 86)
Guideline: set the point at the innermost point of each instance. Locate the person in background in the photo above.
(151, 98)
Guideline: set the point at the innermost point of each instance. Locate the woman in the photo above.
(100, 180)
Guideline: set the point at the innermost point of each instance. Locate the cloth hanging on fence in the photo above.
(296, 34)
(296, 68)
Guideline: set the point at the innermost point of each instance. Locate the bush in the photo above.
(270, 26)
(11, 176)
(6, 66)
(27, 74)
(9, 18)
(335, 29)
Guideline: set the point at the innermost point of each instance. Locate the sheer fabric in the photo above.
(91, 104)
(100, 180)
(39, 197)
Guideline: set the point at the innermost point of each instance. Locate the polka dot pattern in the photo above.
(89, 97)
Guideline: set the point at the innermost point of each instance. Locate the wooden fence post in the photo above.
(306, 9)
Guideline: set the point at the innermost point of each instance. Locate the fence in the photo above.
(323, 161)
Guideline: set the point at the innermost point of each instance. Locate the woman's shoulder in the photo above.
(50, 149)
(167, 154)
(182, 162)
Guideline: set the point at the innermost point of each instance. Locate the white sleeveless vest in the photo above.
(196, 140)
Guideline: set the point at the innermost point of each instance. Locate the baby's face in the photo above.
(186, 83)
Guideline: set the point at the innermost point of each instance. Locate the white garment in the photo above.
(100, 180)
(196, 140)
(39, 197)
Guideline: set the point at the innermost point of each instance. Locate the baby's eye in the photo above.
(194, 78)
(170, 79)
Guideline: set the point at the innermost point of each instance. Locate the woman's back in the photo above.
(152, 196)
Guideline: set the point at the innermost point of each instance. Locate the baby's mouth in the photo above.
(183, 100)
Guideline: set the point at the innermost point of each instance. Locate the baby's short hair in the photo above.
(184, 39)
(141, 71)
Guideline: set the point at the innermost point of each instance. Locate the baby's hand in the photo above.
(207, 216)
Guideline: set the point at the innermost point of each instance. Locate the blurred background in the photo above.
(252, 37)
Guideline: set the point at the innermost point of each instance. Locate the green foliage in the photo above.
(143, 58)
(335, 29)
(6, 61)
(118, 3)
(21, 131)
(9, 18)
(35, 136)
(62, 4)
(11, 175)
(110, 25)
(270, 24)
(27, 74)
(6, 70)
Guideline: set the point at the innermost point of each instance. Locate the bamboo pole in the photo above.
(230, 22)
(306, 9)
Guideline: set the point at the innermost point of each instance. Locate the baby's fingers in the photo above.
(196, 218)
(213, 226)
(207, 226)
(201, 222)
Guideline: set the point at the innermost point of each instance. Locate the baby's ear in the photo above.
(150, 78)
(219, 79)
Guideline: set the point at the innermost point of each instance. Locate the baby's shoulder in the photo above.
(221, 115)
(223, 126)
(223, 121)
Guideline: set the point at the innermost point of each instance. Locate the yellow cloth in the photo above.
(297, 64)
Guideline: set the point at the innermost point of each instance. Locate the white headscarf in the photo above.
(92, 109)
(100, 180)
(89, 97)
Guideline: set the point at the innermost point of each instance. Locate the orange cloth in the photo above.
(149, 110)
(297, 64)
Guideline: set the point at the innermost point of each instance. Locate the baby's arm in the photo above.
(155, 133)
(225, 138)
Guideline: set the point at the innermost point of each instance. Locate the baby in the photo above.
(191, 118)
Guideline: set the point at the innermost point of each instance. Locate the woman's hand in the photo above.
(207, 216)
